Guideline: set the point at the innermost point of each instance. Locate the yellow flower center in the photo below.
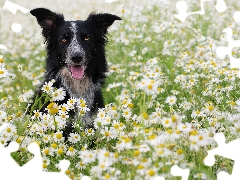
(107, 133)
(150, 87)
(71, 149)
(116, 126)
(44, 165)
(46, 151)
(210, 108)
(136, 153)
(60, 151)
(67, 172)
(151, 172)
(9, 130)
(145, 115)
(59, 136)
(54, 145)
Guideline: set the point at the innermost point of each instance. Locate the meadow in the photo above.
(167, 94)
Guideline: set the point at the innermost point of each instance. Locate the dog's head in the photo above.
(75, 43)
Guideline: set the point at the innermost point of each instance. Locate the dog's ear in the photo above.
(102, 21)
(47, 19)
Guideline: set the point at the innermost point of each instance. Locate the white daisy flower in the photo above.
(3, 72)
(171, 100)
(74, 138)
(47, 87)
(58, 94)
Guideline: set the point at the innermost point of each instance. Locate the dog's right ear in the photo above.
(48, 20)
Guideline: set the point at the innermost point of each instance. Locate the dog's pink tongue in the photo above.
(77, 71)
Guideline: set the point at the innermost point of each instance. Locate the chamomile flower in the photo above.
(71, 102)
(52, 108)
(58, 136)
(101, 113)
(171, 100)
(108, 134)
(90, 131)
(71, 151)
(47, 151)
(58, 94)
(80, 165)
(10, 130)
(124, 143)
(47, 87)
(63, 116)
(144, 50)
(87, 156)
(74, 138)
(99, 123)
(36, 114)
(127, 113)
(166, 122)
(46, 138)
(200, 176)
(3, 72)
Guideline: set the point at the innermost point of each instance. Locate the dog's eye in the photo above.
(86, 38)
(64, 40)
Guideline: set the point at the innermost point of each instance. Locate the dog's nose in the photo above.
(76, 57)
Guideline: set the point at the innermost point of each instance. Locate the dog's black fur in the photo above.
(75, 57)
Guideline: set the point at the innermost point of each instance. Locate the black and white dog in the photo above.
(75, 56)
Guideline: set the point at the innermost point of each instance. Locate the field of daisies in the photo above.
(167, 93)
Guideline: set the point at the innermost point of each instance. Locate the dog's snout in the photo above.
(76, 57)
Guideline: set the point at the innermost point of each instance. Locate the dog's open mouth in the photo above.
(77, 71)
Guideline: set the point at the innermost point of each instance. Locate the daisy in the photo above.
(108, 134)
(116, 125)
(124, 143)
(200, 175)
(87, 156)
(95, 171)
(63, 116)
(52, 108)
(74, 138)
(101, 113)
(46, 138)
(202, 139)
(47, 87)
(80, 165)
(89, 131)
(64, 108)
(132, 53)
(166, 122)
(58, 94)
(47, 151)
(71, 102)
(171, 100)
(151, 87)
(99, 123)
(152, 173)
(3, 72)
(58, 136)
(126, 113)
(71, 151)
(45, 160)
(144, 50)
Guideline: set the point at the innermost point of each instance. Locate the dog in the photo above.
(75, 58)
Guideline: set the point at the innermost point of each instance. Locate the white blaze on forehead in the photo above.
(73, 28)
(74, 46)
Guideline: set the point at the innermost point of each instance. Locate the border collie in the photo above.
(75, 57)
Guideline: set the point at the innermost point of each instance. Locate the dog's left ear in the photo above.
(102, 21)
(48, 20)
